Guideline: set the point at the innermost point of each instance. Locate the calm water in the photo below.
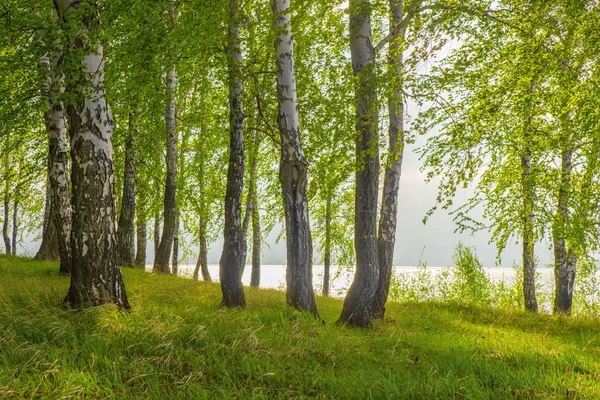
(273, 276)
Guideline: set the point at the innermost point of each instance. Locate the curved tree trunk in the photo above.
(163, 253)
(360, 297)
(58, 160)
(292, 168)
(142, 242)
(386, 238)
(125, 230)
(95, 276)
(234, 246)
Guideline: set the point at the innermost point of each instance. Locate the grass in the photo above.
(176, 343)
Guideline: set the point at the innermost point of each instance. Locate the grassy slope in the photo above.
(176, 343)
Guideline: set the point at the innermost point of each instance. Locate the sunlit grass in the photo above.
(177, 343)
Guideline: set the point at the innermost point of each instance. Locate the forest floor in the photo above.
(177, 343)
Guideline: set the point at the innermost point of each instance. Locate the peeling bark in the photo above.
(125, 231)
(234, 252)
(360, 297)
(292, 168)
(95, 277)
(386, 238)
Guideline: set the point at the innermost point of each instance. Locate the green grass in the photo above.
(176, 343)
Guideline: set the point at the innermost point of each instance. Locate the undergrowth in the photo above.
(177, 343)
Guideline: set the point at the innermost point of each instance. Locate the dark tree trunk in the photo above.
(58, 159)
(327, 256)
(175, 257)
(156, 234)
(528, 235)
(5, 225)
(125, 230)
(142, 242)
(234, 246)
(163, 254)
(386, 238)
(48, 250)
(360, 297)
(15, 222)
(202, 264)
(565, 259)
(95, 276)
(292, 168)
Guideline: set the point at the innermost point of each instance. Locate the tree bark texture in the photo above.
(95, 277)
(163, 253)
(386, 238)
(256, 239)
(292, 168)
(48, 250)
(360, 297)
(528, 235)
(565, 258)
(125, 230)
(234, 246)
(58, 159)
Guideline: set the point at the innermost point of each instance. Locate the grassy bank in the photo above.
(176, 343)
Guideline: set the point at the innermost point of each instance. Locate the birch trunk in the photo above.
(360, 297)
(386, 238)
(5, 225)
(163, 253)
(528, 236)
(256, 240)
(58, 159)
(202, 264)
(327, 255)
(292, 168)
(234, 252)
(95, 276)
(49, 247)
(15, 221)
(125, 231)
(175, 256)
(156, 234)
(565, 259)
(142, 242)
